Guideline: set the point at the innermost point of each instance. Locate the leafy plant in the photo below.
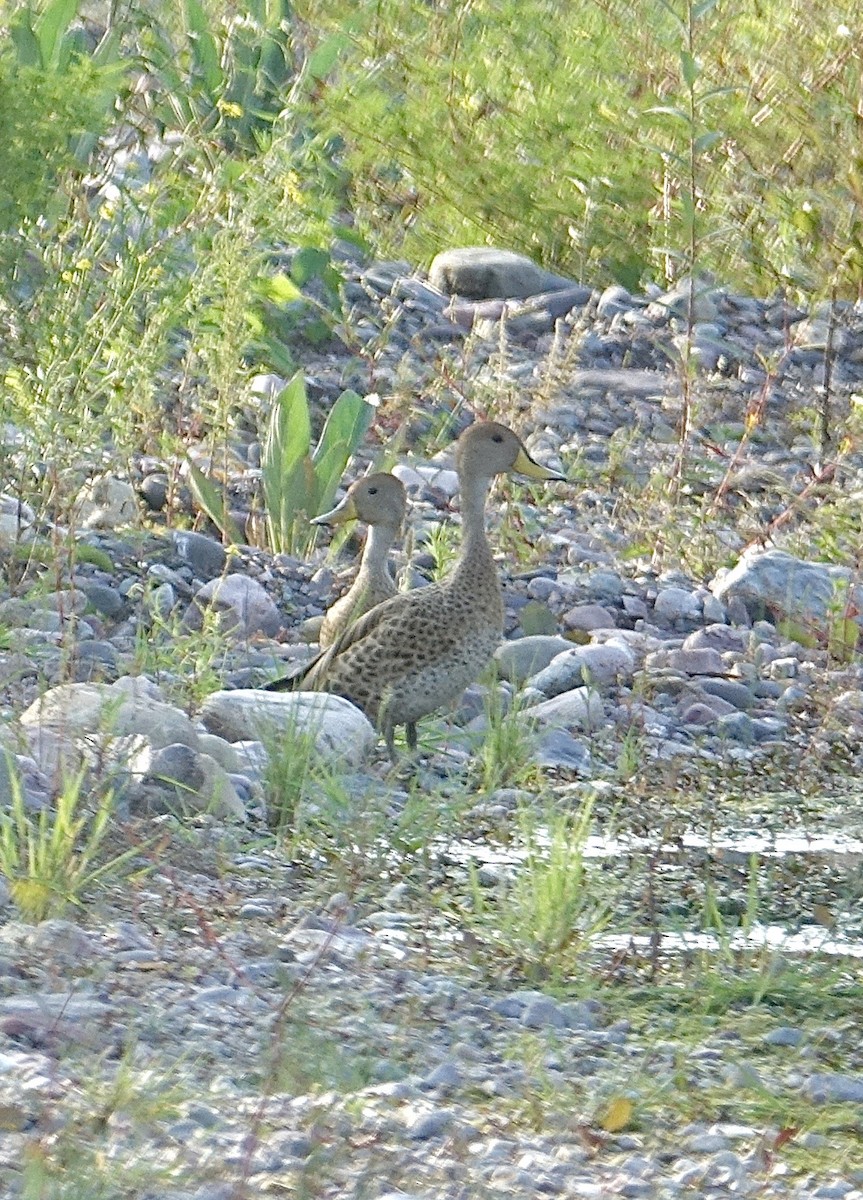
(300, 482)
(51, 859)
(230, 75)
(545, 913)
(504, 756)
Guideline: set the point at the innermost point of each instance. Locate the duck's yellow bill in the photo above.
(525, 465)
(340, 515)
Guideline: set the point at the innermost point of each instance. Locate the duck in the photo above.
(380, 500)
(417, 652)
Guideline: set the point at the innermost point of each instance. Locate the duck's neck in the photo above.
(379, 540)
(476, 555)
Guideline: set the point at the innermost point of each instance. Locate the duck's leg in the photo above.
(389, 732)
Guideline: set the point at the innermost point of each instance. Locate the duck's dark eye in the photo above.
(373, 491)
(497, 437)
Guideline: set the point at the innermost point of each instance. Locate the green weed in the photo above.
(51, 859)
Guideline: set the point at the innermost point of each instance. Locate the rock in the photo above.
(519, 659)
(153, 490)
(834, 1089)
(700, 713)
(101, 597)
(176, 778)
(695, 662)
(579, 708)
(129, 707)
(695, 296)
(781, 586)
(341, 731)
(598, 664)
(614, 300)
(729, 690)
(431, 1124)
(205, 555)
(244, 603)
(105, 502)
(16, 521)
(722, 638)
(558, 750)
(675, 604)
(543, 1013)
(737, 727)
(588, 617)
(784, 1035)
(483, 272)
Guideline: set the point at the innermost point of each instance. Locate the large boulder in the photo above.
(484, 272)
(776, 585)
(342, 733)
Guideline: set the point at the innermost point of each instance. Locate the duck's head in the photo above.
(378, 499)
(487, 448)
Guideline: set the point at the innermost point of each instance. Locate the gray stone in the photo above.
(737, 694)
(483, 272)
(722, 638)
(579, 708)
(519, 659)
(737, 727)
(205, 555)
(431, 1124)
(542, 1013)
(105, 502)
(130, 707)
(104, 599)
(557, 749)
(244, 604)
(830, 1088)
(605, 585)
(700, 713)
(614, 299)
(600, 664)
(784, 1035)
(178, 778)
(695, 662)
(589, 616)
(342, 732)
(782, 586)
(677, 604)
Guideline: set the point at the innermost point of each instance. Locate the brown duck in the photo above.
(380, 501)
(419, 650)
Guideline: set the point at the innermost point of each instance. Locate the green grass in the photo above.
(53, 859)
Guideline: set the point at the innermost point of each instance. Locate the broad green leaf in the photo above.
(325, 55)
(280, 289)
(705, 140)
(26, 43)
(51, 28)
(689, 68)
(308, 263)
(668, 110)
(212, 502)
(344, 429)
(205, 49)
(286, 469)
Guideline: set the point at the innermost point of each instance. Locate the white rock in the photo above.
(124, 708)
(16, 521)
(342, 732)
(580, 708)
(104, 502)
